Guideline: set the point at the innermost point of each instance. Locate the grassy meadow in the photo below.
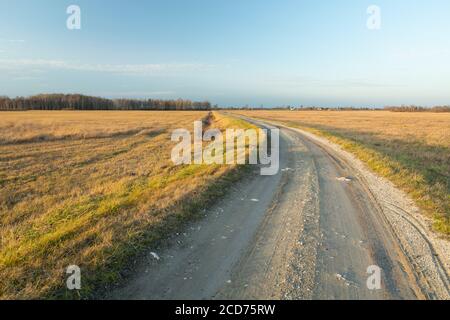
(411, 149)
(93, 189)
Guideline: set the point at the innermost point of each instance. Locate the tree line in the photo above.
(418, 109)
(388, 108)
(82, 102)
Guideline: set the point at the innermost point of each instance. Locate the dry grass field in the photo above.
(92, 189)
(410, 149)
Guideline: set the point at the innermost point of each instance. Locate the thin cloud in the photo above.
(137, 93)
(422, 53)
(12, 40)
(302, 82)
(132, 69)
(25, 78)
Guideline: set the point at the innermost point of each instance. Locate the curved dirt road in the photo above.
(309, 232)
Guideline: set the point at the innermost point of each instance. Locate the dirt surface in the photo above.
(309, 232)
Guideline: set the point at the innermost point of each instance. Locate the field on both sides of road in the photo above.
(93, 189)
(410, 149)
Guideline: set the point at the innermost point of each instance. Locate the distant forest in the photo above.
(388, 108)
(418, 109)
(82, 102)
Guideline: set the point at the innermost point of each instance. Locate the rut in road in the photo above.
(301, 234)
(318, 240)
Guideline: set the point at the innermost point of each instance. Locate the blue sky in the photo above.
(231, 52)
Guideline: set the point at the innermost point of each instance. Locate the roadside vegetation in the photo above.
(94, 189)
(410, 149)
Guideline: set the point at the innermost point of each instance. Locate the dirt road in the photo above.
(309, 232)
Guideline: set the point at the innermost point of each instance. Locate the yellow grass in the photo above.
(411, 149)
(92, 189)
